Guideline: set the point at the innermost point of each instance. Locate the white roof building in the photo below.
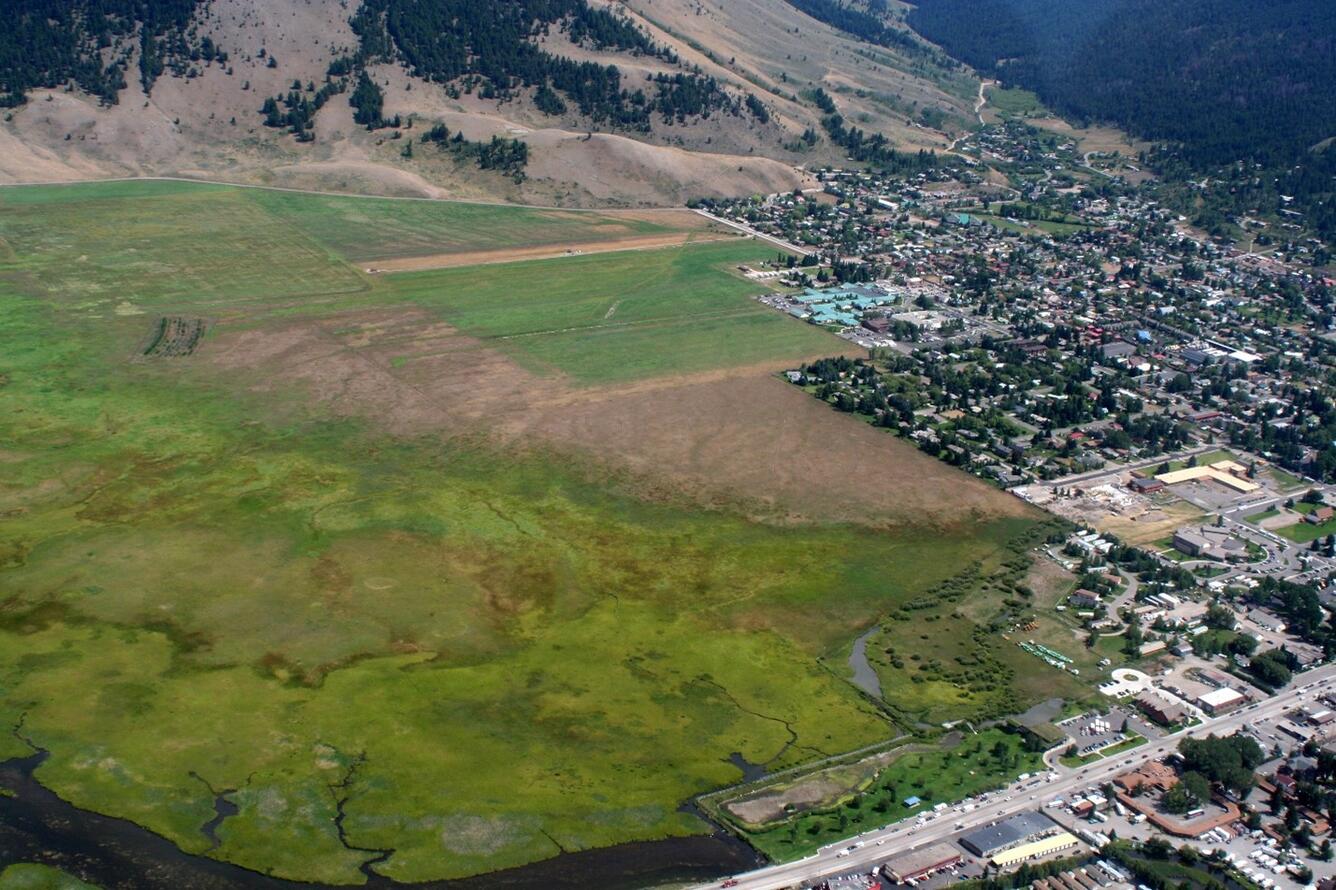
(1219, 700)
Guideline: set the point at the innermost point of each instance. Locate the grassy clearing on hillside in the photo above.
(1014, 102)
(493, 655)
(619, 316)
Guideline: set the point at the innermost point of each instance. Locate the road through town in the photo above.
(876, 846)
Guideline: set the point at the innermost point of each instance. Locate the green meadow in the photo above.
(477, 658)
(608, 317)
(33, 876)
(360, 229)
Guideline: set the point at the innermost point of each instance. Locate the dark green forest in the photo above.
(1218, 81)
(44, 43)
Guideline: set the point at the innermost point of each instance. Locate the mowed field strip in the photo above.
(677, 311)
(419, 561)
(510, 255)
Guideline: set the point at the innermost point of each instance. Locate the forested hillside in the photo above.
(90, 42)
(471, 45)
(1225, 80)
(491, 46)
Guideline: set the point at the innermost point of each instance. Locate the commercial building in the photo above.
(1153, 775)
(920, 863)
(1037, 849)
(1227, 472)
(1209, 542)
(1160, 709)
(1221, 701)
(990, 840)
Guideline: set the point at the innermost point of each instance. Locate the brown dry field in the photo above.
(738, 437)
(545, 252)
(818, 790)
(1049, 581)
(1152, 525)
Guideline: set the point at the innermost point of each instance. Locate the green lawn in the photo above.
(1303, 533)
(1205, 459)
(1263, 515)
(1132, 741)
(618, 316)
(495, 656)
(1023, 227)
(1286, 481)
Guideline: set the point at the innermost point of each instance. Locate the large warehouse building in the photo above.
(987, 842)
(920, 863)
(1036, 849)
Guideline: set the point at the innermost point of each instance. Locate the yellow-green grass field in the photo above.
(362, 229)
(486, 657)
(34, 876)
(609, 317)
(1014, 102)
(953, 654)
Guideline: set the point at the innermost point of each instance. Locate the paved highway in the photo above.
(879, 845)
(757, 233)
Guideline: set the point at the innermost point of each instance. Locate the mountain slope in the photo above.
(1229, 78)
(605, 96)
(1224, 81)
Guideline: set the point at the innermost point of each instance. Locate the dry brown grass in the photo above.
(738, 437)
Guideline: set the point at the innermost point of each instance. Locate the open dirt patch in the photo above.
(1150, 526)
(816, 791)
(1049, 581)
(727, 437)
(544, 252)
